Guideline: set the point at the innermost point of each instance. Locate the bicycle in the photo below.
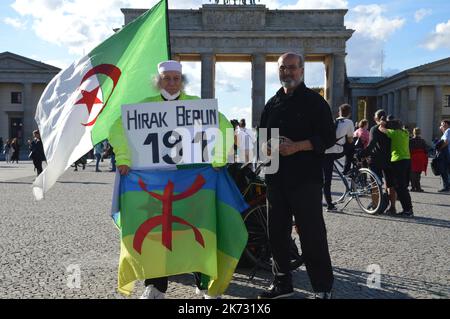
(362, 185)
(257, 253)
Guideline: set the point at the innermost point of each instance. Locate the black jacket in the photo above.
(379, 148)
(303, 115)
(37, 151)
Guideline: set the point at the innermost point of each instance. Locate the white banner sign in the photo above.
(164, 134)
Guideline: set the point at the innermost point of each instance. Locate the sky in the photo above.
(401, 33)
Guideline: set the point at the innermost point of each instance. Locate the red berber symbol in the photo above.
(167, 219)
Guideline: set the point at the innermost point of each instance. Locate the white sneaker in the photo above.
(204, 294)
(151, 292)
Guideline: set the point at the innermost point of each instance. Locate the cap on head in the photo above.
(170, 66)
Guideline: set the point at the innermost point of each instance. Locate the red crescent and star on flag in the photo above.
(90, 98)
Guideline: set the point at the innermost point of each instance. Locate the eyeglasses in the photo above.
(285, 68)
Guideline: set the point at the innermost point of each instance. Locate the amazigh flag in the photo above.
(80, 104)
(180, 221)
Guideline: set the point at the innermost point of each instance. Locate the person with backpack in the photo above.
(344, 134)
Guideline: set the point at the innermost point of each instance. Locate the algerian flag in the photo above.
(80, 104)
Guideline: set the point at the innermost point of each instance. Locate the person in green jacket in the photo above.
(170, 82)
(401, 162)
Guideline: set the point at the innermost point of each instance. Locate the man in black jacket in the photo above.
(37, 152)
(307, 130)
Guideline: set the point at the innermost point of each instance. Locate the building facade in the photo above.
(22, 82)
(420, 96)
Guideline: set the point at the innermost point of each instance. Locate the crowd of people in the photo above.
(11, 153)
(389, 149)
(11, 150)
(99, 153)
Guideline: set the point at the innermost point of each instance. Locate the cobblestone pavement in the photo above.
(39, 242)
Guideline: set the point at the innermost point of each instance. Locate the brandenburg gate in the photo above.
(246, 32)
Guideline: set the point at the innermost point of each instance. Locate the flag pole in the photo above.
(169, 46)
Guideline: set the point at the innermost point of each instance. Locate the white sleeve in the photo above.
(350, 129)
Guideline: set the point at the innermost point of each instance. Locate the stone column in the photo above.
(355, 109)
(385, 102)
(438, 105)
(329, 65)
(258, 87)
(371, 107)
(404, 114)
(4, 125)
(396, 110)
(208, 75)
(28, 112)
(425, 111)
(338, 81)
(412, 105)
(390, 107)
(379, 102)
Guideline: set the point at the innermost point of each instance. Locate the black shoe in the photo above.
(444, 190)
(332, 209)
(323, 295)
(408, 213)
(279, 289)
(391, 212)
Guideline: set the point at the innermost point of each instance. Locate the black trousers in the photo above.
(401, 171)
(38, 166)
(162, 283)
(415, 180)
(328, 162)
(305, 203)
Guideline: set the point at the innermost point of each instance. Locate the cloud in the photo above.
(226, 86)
(236, 70)
(318, 4)
(16, 23)
(80, 25)
(368, 20)
(440, 38)
(421, 14)
(372, 29)
(62, 64)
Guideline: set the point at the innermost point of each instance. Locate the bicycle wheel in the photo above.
(368, 191)
(338, 187)
(257, 252)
